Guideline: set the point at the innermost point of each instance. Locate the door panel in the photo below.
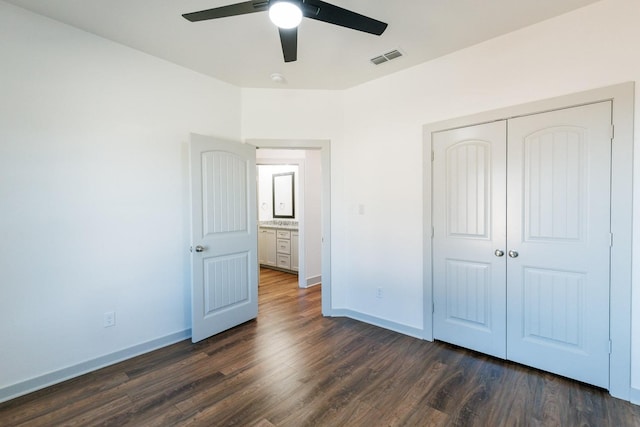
(468, 288)
(224, 233)
(559, 224)
(555, 184)
(469, 212)
(224, 192)
(227, 282)
(554, 306)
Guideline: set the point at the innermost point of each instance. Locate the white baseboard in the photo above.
(46, 380)
(313, 281)
(376, 321)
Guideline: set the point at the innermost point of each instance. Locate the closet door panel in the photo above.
(558, 215)
(469, 216)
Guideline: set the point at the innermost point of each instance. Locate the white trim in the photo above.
(325, 158)
(635, 396)
(427, 233)
(622, 96)
(376, 321)
(313, 281)
(55, 377)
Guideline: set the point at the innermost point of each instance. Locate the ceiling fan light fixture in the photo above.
(285, 15)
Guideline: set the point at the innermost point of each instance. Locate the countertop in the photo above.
(280, 225)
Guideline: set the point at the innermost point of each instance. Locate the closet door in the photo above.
(469, 207)
(559, 241)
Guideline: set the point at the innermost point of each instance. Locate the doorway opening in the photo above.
(289, 188)
(312, 207)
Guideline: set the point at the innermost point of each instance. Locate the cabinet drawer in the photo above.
(283, 234)
(284, 261)
(283, 246)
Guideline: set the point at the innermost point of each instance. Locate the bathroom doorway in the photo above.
(289, 184)
(313, 158)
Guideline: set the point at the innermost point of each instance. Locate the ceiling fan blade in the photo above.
(289, 40)
(230, 10)
(322, 11)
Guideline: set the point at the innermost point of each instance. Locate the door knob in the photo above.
(200, 248)
(499, 253)
(513, 254)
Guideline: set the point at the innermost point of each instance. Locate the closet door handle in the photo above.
(513, 254)
(499, 253)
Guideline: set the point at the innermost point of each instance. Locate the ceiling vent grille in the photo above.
(386, 57)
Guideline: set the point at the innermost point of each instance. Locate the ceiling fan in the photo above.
(287, 14)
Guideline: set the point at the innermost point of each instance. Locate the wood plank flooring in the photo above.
(292, 367)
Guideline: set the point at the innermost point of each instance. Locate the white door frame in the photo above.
(325, 159)
(622, 96)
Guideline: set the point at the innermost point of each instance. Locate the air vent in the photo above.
(386, 57)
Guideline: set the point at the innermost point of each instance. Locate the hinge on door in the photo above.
(191, 249)
(433, 156)
(433, 231)
(612, 132)
(610, 346)
(433, 307)
(610, 240)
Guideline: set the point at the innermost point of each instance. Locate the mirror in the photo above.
(283, 198)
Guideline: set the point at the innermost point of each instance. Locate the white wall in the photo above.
(377, 160)
(313, 216)
(93, 193)
(265, 189)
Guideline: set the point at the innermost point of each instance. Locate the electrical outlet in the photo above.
(379, 293)
(109, 319)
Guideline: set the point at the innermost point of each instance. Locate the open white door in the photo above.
(224, 262)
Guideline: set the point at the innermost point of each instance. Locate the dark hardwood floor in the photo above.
(292, 367)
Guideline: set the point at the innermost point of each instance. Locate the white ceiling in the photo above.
(245, 50)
